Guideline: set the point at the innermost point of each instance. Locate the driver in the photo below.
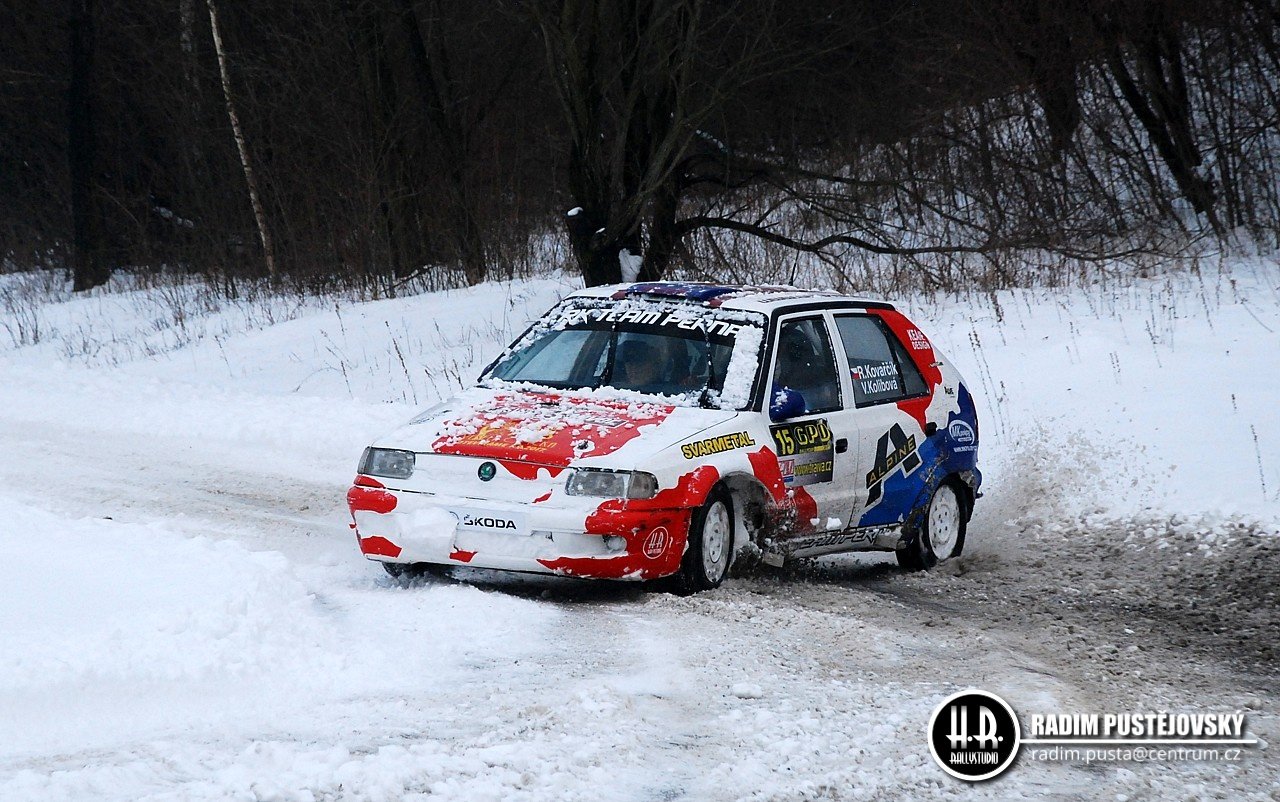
(639, 366)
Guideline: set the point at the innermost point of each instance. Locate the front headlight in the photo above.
(387, 462)
(611, 484)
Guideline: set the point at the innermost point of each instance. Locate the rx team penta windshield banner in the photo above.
(975, 735)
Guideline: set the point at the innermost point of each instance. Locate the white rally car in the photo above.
(662, 429)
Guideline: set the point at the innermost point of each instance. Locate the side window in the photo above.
(912, 381)
(879, 366)
(807, 365)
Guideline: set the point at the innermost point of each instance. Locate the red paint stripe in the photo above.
(924, 358)
(369, 499)
(379, 546)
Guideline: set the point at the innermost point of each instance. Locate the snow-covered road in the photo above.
(186, 618)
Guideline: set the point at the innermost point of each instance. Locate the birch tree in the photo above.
(242, 146)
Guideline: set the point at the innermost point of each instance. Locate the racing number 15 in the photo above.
(786, 443)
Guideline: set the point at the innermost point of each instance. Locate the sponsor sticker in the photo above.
(656, 543)
(963, 436)
(894, 449)
(806, 451)
(961, 432)
(845, 539)
(648, 316)
(716, 445)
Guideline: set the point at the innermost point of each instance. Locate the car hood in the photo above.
(554, 429)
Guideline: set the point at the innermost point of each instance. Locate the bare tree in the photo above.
(89, 268)
(242, 146)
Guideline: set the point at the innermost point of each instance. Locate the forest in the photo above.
(374, 144)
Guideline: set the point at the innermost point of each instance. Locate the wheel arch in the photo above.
(964, 492)
(750, 499)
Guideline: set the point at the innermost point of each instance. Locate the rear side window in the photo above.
(879, 366)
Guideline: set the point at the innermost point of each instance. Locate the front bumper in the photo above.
(589, 538)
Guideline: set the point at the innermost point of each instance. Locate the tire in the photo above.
(710, 547)
(409, 572)
(941, 535)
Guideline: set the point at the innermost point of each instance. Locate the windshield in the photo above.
(682, 353)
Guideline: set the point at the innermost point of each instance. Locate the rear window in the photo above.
(879, 367)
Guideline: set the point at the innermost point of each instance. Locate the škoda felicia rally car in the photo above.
(663, 429)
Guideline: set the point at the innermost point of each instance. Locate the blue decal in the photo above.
(680, 289)
(905, 468)
(961, 434)
(905, 471)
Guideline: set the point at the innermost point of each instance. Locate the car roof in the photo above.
(766, 298)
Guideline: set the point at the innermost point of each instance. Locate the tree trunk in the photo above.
(597, 259)
(242, 146)
(664, 234)
(89, 265)
(430, 70)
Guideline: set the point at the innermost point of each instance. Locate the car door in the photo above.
(813, 445)
(881, 375)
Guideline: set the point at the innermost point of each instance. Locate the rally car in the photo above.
(665, 429)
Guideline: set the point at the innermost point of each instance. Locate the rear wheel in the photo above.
(710, 547)
(941, 536)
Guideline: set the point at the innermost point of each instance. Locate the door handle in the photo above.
(842, 445)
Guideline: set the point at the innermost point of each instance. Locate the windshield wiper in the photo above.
(606, 377)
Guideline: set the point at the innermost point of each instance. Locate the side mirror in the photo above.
(786, 403)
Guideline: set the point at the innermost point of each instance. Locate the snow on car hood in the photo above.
(549, 427)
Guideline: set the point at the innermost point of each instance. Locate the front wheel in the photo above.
(710, 546)
(412, 572)
(942, 535)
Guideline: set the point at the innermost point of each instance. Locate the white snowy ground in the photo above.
(185, 614)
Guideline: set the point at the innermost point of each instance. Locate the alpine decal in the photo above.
(806, 451)
(716, 445)
(894, 449)
(952, 450)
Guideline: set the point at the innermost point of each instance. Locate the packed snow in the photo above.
(187, 615)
